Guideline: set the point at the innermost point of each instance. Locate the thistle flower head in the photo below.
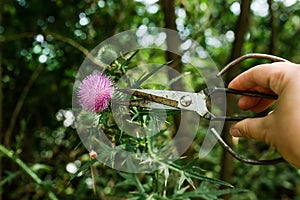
(94, 92)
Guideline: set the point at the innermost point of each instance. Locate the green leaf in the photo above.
(36, 167)
(82, 168)
(206, 191)
(181, 180)
(10, 176)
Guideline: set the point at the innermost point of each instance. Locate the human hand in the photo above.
(281, 127)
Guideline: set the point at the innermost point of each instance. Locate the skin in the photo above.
(281, 127)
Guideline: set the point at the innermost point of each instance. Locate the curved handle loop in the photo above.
(241, 159)
(250, 55)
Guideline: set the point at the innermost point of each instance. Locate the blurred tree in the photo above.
(236, 51)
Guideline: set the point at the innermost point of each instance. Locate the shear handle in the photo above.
(242, 159)
(210, 91)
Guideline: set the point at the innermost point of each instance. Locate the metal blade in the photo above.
(145, 104)
(183, 100)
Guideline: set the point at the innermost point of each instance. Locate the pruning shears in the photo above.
(197, 102)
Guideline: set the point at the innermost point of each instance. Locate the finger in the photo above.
(246, 103)
(253, 103)
(259, 78)
(254, 128)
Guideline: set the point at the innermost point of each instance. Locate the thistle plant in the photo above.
(172, 179)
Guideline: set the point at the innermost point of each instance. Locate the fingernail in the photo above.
(235, 132)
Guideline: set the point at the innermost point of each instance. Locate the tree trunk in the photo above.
(181, 121)
(173, 42)
(272, 45)
(240, 32)
(168, 7)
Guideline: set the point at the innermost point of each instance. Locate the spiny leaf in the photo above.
(143, 79)
(194, 174)
(128, 60)
(176, 79)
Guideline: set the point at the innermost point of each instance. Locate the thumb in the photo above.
(254, 128)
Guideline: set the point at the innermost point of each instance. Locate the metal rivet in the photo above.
(186, 100)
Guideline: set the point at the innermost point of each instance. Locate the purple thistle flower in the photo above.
(94, 92)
